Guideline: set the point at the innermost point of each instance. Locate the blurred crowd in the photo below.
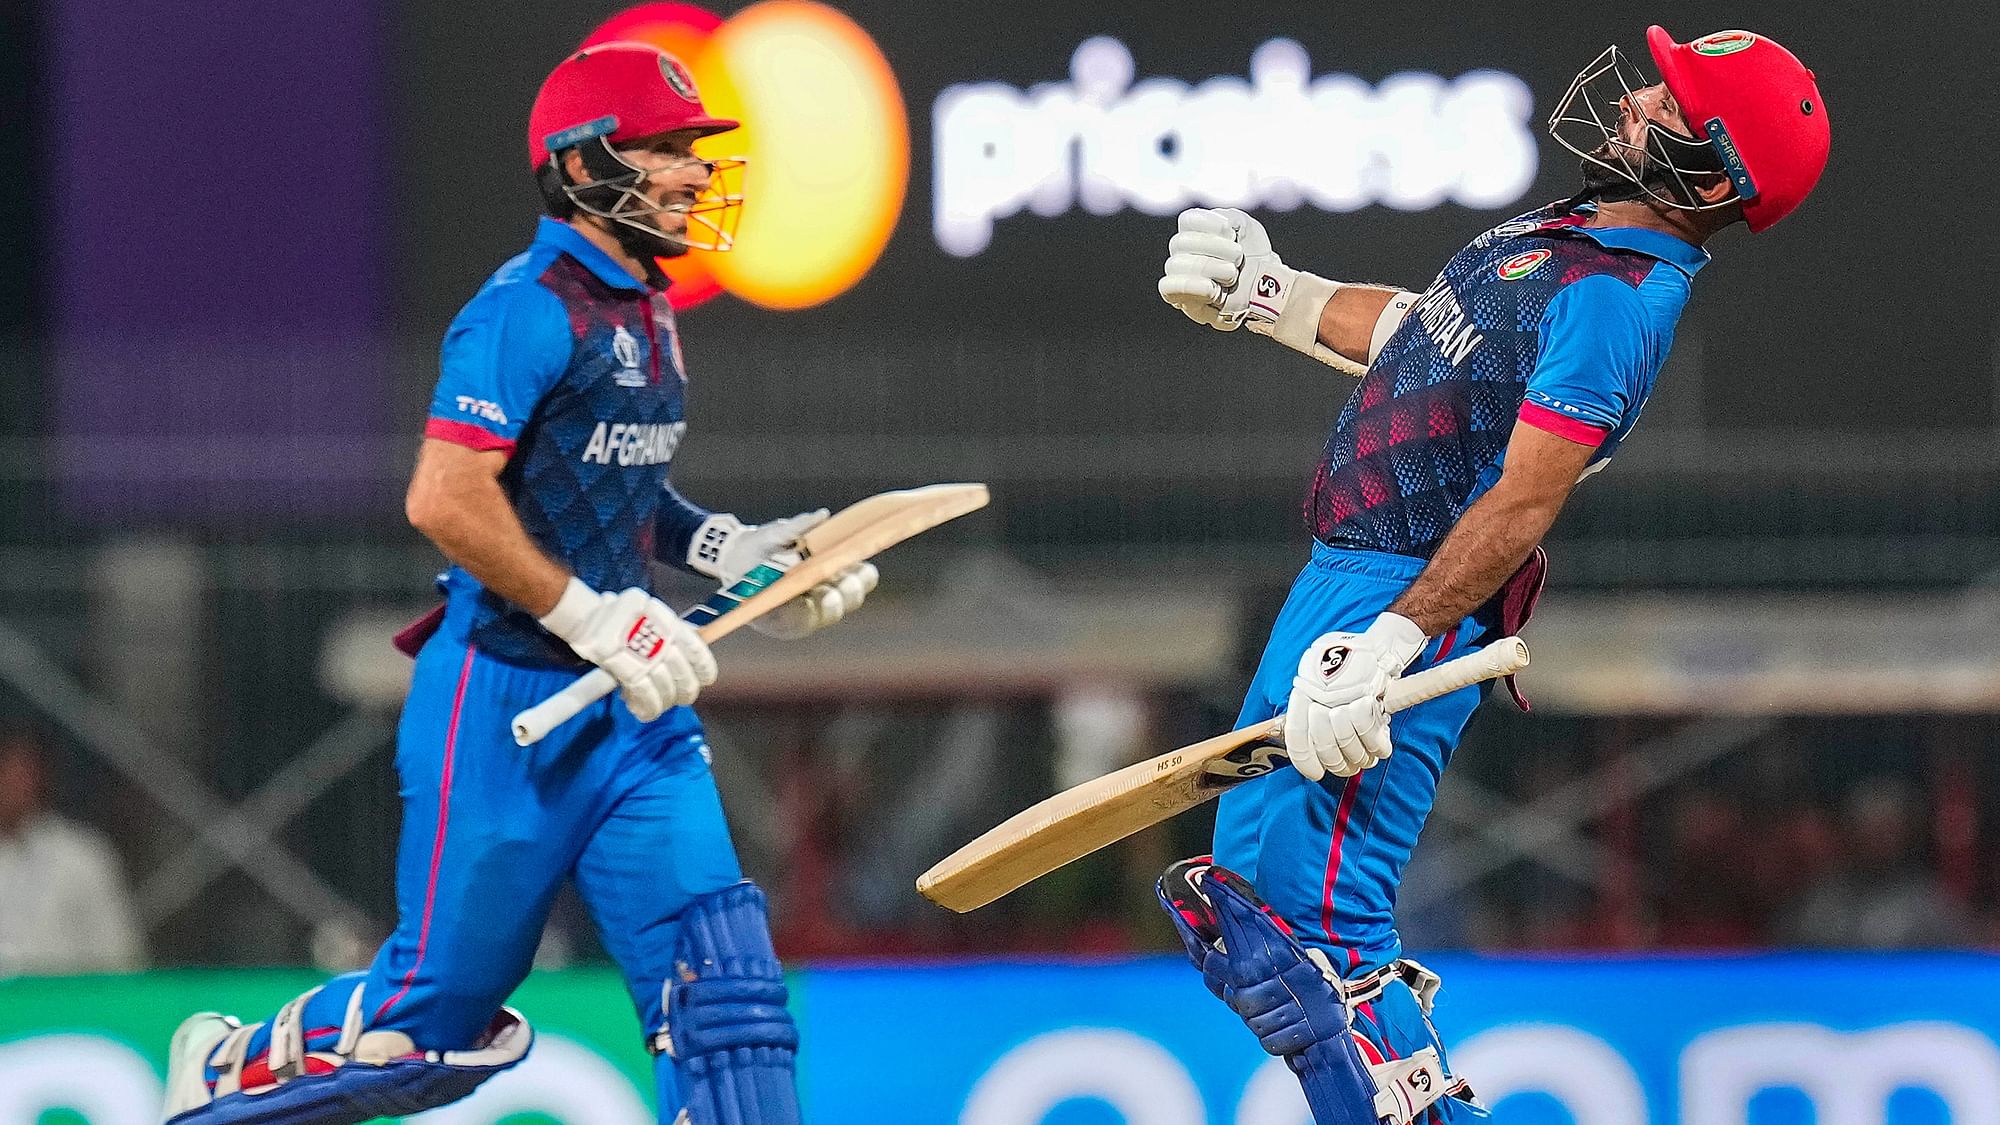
(1888, 860)
(64, 903)
(1814, 834)
(1832, 833)
(1859, 872)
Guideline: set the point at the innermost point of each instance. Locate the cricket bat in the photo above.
(856, 533)
(1078, 821)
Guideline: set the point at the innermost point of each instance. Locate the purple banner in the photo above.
(217, 175)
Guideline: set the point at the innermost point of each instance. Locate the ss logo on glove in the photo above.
(644, 641)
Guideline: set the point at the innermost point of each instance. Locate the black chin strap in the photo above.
(1601, 185)
(1611, 191)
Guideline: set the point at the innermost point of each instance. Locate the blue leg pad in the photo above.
(727, 1028)
(1249, 959)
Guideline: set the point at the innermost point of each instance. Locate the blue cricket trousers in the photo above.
(1327, 855)
(490, 831)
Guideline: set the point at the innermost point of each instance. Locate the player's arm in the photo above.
(1489, 542)
(1359, 318)
(677, 528)
(502, 355)
(1222, 272)
(456, 501)
(1599, 353)
(1336, 720)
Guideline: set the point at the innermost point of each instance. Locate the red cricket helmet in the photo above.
(620, 91)
(1760, 108)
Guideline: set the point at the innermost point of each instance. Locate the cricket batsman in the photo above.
(1485, 399)
(543, 478)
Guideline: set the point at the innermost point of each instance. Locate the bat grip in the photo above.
(1503, 657)
(534, 724)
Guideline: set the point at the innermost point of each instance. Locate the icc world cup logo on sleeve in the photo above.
(824, 132)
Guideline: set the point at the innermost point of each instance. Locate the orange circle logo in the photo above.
(825, 134)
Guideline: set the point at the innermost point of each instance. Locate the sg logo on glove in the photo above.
(1267, 286)
(1331, 660)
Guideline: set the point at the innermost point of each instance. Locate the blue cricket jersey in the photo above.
(1540, 320)
(571, 366)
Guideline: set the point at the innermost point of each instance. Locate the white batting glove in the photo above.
(659, 660)
(726, 550)
(1337, 721)
(1222, 272)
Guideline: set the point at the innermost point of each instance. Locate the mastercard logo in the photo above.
(824, 131)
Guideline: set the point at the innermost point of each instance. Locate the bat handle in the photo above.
(1503, 657)
(534, 724)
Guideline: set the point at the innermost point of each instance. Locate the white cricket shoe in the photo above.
(187, 1060)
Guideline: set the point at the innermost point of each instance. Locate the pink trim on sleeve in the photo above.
(467, 435)
(1564, 426)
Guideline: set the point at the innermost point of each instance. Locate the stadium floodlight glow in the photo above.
(1279, 140)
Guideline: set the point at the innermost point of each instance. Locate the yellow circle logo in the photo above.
(825, 133)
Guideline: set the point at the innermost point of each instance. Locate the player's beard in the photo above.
(647, 249)
(647, 243)
(1610, 182)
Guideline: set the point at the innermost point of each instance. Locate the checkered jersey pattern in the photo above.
(588, 472)
(1424, 433)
